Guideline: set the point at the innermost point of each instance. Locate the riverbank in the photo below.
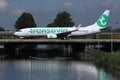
(111, 60)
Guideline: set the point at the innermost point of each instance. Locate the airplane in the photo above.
(65, 32)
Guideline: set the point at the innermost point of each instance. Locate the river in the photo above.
(51, 69)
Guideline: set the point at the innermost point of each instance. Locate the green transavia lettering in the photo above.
(47, 30)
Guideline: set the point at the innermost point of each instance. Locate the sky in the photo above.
(84, 12)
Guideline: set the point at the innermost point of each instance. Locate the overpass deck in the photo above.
(58, 41)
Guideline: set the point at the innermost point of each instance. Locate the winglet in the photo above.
(79, 25)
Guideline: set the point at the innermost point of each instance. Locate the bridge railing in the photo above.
(10, 34)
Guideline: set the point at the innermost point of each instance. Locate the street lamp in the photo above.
(111, 40)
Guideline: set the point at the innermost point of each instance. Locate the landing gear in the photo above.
(64, 38)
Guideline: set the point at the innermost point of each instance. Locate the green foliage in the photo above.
(2, 29)
(25, 21)
(103, 36)
(62, 20)
(108, 36)
(107, 60)
(51, 25)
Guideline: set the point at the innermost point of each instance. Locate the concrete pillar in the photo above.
(69, 50)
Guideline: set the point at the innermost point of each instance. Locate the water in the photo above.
(51, 69)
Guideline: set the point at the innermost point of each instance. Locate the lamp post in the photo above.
(98, 43)
(111, 40)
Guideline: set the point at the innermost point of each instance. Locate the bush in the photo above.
(107, 60)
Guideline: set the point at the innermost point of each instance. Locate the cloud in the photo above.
(68, 4)
(107, 2)
(18, 12)
(110, 4)
(116, 6)
(3, 5)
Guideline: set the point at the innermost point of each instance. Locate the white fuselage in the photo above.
(74, 31)
(88, 30)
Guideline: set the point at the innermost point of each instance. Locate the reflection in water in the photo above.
(63, 70)
(49, 70)
(102, 75)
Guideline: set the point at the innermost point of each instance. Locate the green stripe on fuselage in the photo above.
(47, 30)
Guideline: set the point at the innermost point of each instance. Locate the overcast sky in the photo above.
(83, 12)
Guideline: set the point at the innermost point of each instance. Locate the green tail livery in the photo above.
(102, 21)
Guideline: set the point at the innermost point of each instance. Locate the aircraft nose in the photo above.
(16, 33)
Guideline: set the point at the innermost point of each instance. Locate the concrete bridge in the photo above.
(10, 43)
(77, 44)
(58, 41)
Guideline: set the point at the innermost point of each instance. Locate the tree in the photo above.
(2, 29)
(62, 20)
(26, 20)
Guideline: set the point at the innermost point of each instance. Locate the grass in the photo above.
(107, 60)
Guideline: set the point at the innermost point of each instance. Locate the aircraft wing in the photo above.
(65, 34)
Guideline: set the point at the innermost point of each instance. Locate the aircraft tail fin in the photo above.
(103, 19)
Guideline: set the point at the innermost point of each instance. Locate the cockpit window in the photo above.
(20, 30)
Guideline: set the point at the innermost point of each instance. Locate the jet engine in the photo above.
(51, 36)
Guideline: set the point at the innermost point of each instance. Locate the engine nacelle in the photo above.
(51, 36)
